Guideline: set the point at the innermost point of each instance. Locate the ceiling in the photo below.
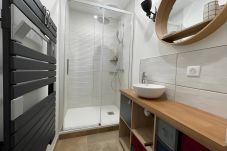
(94, 10)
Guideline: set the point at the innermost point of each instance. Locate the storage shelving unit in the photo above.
(141, 126)
(172, 131)
(124, 135)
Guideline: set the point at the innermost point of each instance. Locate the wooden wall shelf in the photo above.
(199, 31)
(185, 32)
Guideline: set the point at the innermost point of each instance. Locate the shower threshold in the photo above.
(90, 117)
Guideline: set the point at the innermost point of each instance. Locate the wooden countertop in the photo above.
(205, 128)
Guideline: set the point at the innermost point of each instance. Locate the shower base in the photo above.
(90, 117)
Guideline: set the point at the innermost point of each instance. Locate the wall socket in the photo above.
(193, 71)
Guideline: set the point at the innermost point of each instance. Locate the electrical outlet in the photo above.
(193, 71)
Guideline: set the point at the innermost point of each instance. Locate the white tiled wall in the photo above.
(207, 92)
(84, 56)
(213, 75)
(160, 69)
(91, 80)
(211, 102)
(167, 65)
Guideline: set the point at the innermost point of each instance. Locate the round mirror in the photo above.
(186, 21)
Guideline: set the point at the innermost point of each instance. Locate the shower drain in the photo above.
(110, 113)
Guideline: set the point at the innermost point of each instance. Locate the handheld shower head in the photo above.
(120, 34)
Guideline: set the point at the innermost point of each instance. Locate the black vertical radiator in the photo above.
(26, 70)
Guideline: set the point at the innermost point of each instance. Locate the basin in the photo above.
(151, 91)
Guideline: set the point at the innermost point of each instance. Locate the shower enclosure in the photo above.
(98, 64)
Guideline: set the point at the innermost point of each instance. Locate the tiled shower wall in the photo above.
(92, 79)
(84, 86)
(207, 92)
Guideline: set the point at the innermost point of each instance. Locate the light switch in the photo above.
(193, 71)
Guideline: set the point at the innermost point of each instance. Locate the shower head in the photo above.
(103, 20)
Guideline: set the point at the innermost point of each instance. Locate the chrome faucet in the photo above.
(144, 78)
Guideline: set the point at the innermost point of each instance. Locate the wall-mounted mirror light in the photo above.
(146, 6)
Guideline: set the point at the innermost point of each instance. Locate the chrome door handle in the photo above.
(67, 66)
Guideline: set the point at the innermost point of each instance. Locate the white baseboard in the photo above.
(52, 146)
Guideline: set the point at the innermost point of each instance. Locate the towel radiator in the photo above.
(26, 70)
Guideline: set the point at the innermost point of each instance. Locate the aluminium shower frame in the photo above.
(131, 43)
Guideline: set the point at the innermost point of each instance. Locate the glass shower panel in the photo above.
(117, 30)
(98, 64)
(83, 80)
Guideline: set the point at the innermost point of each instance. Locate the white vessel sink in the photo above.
(149, 90)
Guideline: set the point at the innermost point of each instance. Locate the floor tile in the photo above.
(76, 140)
(69, 146)
(97, 138)
(105, 146)
(98, 142)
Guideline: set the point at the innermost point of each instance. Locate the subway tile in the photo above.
(160, 69)
(212, 102)
(213, 77)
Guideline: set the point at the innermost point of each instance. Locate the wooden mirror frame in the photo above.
(200, 30)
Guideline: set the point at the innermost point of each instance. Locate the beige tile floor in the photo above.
(98, 142)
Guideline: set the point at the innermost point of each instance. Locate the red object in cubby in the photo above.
(137, 145)
(188, 144)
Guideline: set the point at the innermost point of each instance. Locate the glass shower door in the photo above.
(98, 65)
(116, 52)
(83, 78)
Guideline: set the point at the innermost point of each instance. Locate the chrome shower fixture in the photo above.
(102, 20)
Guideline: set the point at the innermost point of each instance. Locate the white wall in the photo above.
(167, 64)
(144, 36)
(146, 43)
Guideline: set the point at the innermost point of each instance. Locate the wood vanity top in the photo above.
(207, 129)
